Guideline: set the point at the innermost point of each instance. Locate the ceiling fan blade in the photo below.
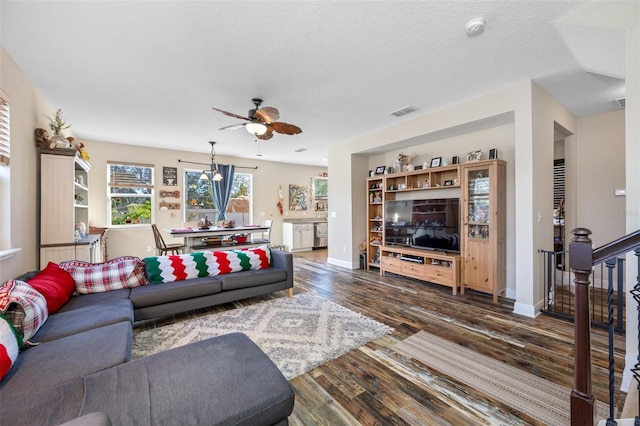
(267, 135)
(267, 114)
(286, 128)
(230, 114)
(233, 126)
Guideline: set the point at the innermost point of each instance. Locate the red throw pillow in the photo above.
(55, 284)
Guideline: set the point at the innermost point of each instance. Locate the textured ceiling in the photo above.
(148, 72)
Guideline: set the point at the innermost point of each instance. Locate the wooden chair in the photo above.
(161, 247)
(266, 235)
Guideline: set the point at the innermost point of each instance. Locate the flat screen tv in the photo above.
(432, 224)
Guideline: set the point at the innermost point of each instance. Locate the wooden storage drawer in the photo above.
(414, 270)
(440, 275)
(391, 264)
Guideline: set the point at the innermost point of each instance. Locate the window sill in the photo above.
(5, 254)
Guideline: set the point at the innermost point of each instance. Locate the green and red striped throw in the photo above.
(164, 269)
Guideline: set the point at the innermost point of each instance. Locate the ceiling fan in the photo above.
(262, 122)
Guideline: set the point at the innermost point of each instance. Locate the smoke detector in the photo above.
(474, 27)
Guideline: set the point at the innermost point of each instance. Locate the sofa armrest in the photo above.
(283, 260)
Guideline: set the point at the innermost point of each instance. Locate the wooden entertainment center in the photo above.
(480, 264)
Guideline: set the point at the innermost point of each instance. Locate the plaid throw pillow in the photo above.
(164, 269)
(24, 307)
(122, 272)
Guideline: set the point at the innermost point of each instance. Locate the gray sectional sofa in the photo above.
(81, 370)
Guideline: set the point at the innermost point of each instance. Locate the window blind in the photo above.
(4, 133)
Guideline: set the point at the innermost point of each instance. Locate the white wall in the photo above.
(134, 240)
(28, 111)
(601, 170)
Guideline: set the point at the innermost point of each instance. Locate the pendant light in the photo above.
(217, 177)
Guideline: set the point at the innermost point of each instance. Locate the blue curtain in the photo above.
(222, 189)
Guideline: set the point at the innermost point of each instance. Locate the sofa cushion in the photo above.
(52, 405)
(221, 380)
(93, 299)
(23, 306)
(163, 269)
(76, 321)
(253, 279)
(118, 273)
(55, 284)
(151, 295)
(10, 344)
(51, 363)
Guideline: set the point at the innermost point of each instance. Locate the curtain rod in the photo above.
(208, 164)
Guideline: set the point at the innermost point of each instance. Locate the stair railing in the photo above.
(582, 258)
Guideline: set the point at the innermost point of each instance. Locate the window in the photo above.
(199, 201)
(4, 133)
(130, 193)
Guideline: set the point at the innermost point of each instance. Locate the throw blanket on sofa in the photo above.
(164, 269)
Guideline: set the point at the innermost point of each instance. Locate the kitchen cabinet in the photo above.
(297, 236)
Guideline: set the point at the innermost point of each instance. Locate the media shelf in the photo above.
(432, 266)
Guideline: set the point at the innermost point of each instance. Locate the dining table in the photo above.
(217, 237)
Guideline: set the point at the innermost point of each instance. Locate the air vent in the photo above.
(404, 111)
(300, 150)
(621, 102)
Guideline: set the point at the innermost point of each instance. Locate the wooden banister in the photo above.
(580, 261)
(582, 257)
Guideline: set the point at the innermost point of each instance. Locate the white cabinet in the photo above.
(64, 202)
(297, 236)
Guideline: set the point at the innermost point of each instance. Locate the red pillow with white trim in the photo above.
(121, 272)
(55, 284)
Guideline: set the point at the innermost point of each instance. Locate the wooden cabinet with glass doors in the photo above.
(484, 227)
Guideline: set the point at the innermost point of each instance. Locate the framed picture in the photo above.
(493, 153)
(474, 155)
(418, 167)
(297, 197)
(380, 170)
(170, 176)
(455, 160)
(448, 182)
(435, 162)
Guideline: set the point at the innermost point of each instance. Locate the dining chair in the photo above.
(161, 247)
(265, 237)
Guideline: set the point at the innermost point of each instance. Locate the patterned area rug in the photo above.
(541, 399)
(297, 333)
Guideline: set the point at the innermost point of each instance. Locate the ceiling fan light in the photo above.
(204, 176)
(256, 128)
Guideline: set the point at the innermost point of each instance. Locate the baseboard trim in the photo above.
(525, 310)
(343, 263)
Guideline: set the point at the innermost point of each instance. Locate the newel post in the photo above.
(581, 261)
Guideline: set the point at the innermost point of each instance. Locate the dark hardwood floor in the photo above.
(365, 388)
(360, 388)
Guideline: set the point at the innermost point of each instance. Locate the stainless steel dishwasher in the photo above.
(320, 234)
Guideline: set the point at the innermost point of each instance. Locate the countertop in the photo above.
(306, 220)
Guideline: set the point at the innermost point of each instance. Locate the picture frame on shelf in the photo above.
(493, 154)
(448, 182)
(455, 160)
(380, 170)
(435, 162)
(474, 156)
(418, 167)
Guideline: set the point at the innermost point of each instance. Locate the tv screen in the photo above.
(428, 224)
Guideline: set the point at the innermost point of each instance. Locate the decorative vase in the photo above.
(58, 141)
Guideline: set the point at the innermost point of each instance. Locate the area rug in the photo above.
(298, 333)
(541, 399)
